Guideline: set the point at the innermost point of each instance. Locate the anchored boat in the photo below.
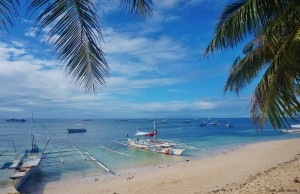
(76, 130)
(295, 129)
(159, 146)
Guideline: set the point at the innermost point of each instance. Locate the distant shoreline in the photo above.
(238, 170)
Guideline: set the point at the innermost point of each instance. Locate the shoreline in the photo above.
(252, 168)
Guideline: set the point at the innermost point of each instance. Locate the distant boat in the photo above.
(164, 121)
(122, 120)
(215, 123)
(295, 129)
(228, 125)
(87, 120)
(185, 121)
(202, 123)
(15, 120)
(77, 130)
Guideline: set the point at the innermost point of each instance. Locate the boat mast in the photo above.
(154, 135)
(31, 138)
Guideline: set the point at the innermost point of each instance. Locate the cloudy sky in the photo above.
(157, 68)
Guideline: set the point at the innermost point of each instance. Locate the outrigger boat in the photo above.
(159, 146)
(28, 161)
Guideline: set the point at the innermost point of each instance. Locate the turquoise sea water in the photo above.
(103, 132)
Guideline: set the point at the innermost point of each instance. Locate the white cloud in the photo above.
(204, 105)
(31, 32)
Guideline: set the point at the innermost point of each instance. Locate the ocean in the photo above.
(104, 132)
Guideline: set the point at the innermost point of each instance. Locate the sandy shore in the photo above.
(267, 167)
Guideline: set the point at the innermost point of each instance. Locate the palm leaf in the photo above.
(244, 18)
(275, 25)
(142, 8)
(78, 33)
(8, 12)
(274, 96)
(244, 70)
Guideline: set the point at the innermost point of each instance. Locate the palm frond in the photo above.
(244, 18)
(274, 97)
(142, 8)
(8, 13)
(275, 26)
(76, 37)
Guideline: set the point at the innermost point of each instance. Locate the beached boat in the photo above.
(24, 165)
(76, 130)
(26, 162)
(159, 146)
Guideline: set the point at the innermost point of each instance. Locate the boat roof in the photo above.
(140, 133)
(295, 126)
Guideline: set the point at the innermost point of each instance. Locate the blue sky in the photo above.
(157, 69)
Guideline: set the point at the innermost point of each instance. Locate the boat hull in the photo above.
(25, 164)
(155, 148)
(290, 130)
(19, 181)
(80, 130)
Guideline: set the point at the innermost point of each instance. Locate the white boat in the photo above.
(295, 129)
(202, 123)
(185, 121)
(25, 164)
(228, 125)
(159, 146)
(215, 123)
(164, 121)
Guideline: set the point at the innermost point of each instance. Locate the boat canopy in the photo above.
(140, 133)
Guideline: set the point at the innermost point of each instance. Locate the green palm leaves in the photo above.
(76, 38)
(75, 33)
(8, 12)
(141, 8)
(274, 26)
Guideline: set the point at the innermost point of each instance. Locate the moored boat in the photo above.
(294, 129)
(87, 120)
(202, 123)
(228, 125)
(215, 123)
(76, 130)
(25, 164)
(158, 146)
(16, 120)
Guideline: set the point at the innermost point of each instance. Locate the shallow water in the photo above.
(213, 138)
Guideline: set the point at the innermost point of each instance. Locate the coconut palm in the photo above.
(75, 34)
(272, 28)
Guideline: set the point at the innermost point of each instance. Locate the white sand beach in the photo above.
(267, 167)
